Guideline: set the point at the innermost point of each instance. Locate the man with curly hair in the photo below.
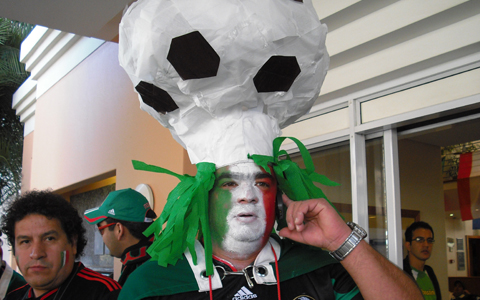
(47, 236)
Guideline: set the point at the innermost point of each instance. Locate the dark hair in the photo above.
(135, 228)
(50, 205)
(415, 226)
(458, 282)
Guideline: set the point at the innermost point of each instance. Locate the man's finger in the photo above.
(286, 200)
(289, 213)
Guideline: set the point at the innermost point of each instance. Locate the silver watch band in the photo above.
(357, 235)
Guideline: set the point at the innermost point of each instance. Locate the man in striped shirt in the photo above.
(47, 236)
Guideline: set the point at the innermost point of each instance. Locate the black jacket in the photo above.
(431, 274)
(133, 257)
(82, 284)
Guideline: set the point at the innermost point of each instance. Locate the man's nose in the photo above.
(38, 250)
(247, 194)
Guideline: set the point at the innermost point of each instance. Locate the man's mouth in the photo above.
(37, 268)
(246, 217)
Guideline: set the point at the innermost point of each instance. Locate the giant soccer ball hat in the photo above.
(224, 76)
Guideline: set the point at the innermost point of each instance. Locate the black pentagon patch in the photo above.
(193, 57)
(277, 74)
(298, 1)
(155, 97)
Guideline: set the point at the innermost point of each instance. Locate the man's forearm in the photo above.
(378, 278)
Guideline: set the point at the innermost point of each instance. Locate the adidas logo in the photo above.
(112, 212)
(243, 294)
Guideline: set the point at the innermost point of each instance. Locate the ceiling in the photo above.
(89, 18)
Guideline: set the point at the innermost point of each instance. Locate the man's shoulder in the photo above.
(298, 259)
(144, 281)
(90, 281)
(16, 281)
(17, 293)
(83, 284)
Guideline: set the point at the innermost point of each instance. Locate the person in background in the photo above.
(47, 237)
(9, 279)
(460, 293)
(121, 219)
(419, 239)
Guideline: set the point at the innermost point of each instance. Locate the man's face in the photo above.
(242, 206)
(43, 252)
(109, 239)
(420, 250)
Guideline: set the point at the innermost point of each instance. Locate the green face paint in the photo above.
(220, 203)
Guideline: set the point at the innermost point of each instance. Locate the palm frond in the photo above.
(12, 75)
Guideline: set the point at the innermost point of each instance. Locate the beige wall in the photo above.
(422, 189)
(89, 127)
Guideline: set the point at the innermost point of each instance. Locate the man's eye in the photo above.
(23, 242)
(262, 184)
(229, 184)
(50, 238)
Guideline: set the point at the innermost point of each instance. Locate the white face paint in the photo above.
(239, 194)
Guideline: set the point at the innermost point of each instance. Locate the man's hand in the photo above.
(314, 222)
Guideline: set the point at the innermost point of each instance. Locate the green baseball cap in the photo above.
(124, 205)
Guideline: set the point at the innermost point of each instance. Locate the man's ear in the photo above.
(408, 245)
(119, 230)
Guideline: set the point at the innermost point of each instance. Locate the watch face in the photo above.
(357, 229)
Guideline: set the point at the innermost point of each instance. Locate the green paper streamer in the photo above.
(294, 181)
(185, 214)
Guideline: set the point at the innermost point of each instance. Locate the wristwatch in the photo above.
(357, 235)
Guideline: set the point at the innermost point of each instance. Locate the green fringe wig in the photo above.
(186, 211)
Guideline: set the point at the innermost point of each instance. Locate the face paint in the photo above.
(242, 208)
(64, 256)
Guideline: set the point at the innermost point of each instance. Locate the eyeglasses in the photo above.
(420, 239)
(101, 228)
